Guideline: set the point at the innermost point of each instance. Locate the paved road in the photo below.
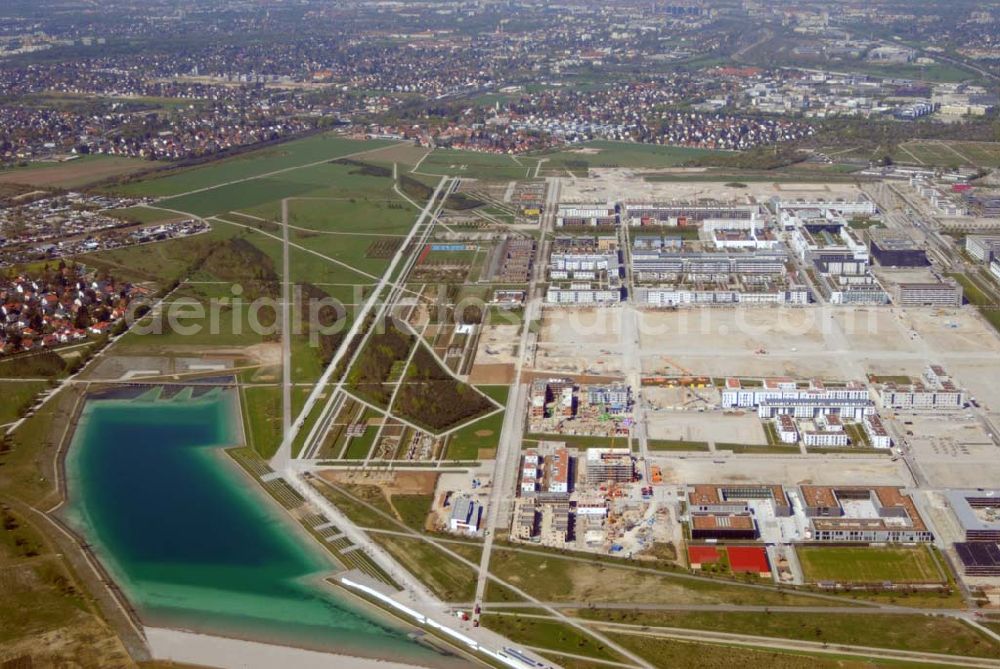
(504, 479)
(502, 493)
(723, 608)
(632, 358)
(286, 325)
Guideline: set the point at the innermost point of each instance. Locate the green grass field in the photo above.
(160, 262)
(446, 577)
(906, 632)
(676, 445)
(464, 444)
(17, 396)
(673, 653)
(941, 153)
(550, 577)
(145, 215)
(868, 565)
(937, 72)
(296, 153)
(617, 154)
(358, 447)
(475, 165)
(754, 448)
(413, 509)
(262, 410)
(264, 194)
(197, 317)
(975, 295)
(550, 634)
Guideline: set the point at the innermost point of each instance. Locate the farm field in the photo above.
(262, 195)
(72, 174)
(293, 154)
(868, 565)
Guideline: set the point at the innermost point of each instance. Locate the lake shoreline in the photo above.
(170, 640)
(226, 652)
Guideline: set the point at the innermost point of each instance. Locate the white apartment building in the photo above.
(861, 207)
(983, 248)
(941, 294)
(824, 438)
(575, 262)
(778, 396)
(683, 213)
(787, 430)
(675, 296)
(582, 294)
(934, 392)
(877, 434)
(589, 215)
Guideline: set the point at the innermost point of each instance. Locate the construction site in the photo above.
(588, 500)
(561, 406)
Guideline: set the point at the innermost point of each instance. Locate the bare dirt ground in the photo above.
(610, 183)
(498, 344)
(72, 174)
(589, 326)
(678, 398)
(268, 353)
(954, 330)
(580, 341)
(85, 643)
(190, 359)
(707, 427)
(787, 471)
(954, 451)
(826, 342)
(492, 374)
(577, 359)
(391, 483)
(404, 154)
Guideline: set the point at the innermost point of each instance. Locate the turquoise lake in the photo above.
(193, 544)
